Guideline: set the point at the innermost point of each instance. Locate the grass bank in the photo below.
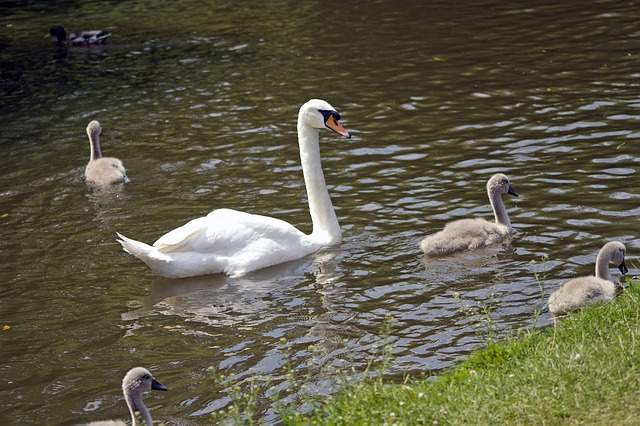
(583, 370)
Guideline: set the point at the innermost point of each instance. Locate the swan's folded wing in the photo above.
(225, 231)
(233, 230)
(182, 237)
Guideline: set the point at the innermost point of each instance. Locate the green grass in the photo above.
(583, 370)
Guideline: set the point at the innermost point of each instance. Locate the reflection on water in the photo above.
(200, 103)
(217, 300)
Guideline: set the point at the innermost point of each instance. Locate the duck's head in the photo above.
(58, 32)
(320, 114)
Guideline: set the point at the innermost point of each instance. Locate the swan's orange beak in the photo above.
(333, 124)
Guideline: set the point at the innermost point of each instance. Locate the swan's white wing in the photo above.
(175, 239)
(225, 232)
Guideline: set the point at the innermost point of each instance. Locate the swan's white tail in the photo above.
(141, 250)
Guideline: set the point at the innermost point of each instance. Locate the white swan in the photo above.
(235, 242)
(469, 234)
(591, 289)
(135, 382)
(102, 170)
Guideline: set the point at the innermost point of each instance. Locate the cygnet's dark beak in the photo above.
(511, 191)
(157, 385)
(623, 268)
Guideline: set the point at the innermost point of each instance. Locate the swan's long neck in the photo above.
(602, 265)
(134, 402)
(499, 211)
(325, 223)
(94, 139)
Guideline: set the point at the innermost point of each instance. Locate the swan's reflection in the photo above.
(459, 267)
(108, 202)
(104, 194)
(249, 300)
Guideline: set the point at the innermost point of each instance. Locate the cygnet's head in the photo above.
(139, 380)
(320, 114)
(616, 252)
(500, 183)
(94, 129)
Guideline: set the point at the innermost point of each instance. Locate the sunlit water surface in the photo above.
(200, 100)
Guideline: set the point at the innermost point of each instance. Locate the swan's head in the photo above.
(139, 380)
(320, 114)
(58, 32)
(615, 250)
(500, 183)
(94, 129)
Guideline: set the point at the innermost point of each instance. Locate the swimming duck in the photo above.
(83, 38)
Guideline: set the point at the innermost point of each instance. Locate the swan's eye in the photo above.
(328, 114)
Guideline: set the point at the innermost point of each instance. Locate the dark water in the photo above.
(199, 99)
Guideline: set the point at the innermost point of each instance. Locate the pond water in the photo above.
(199, 100)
